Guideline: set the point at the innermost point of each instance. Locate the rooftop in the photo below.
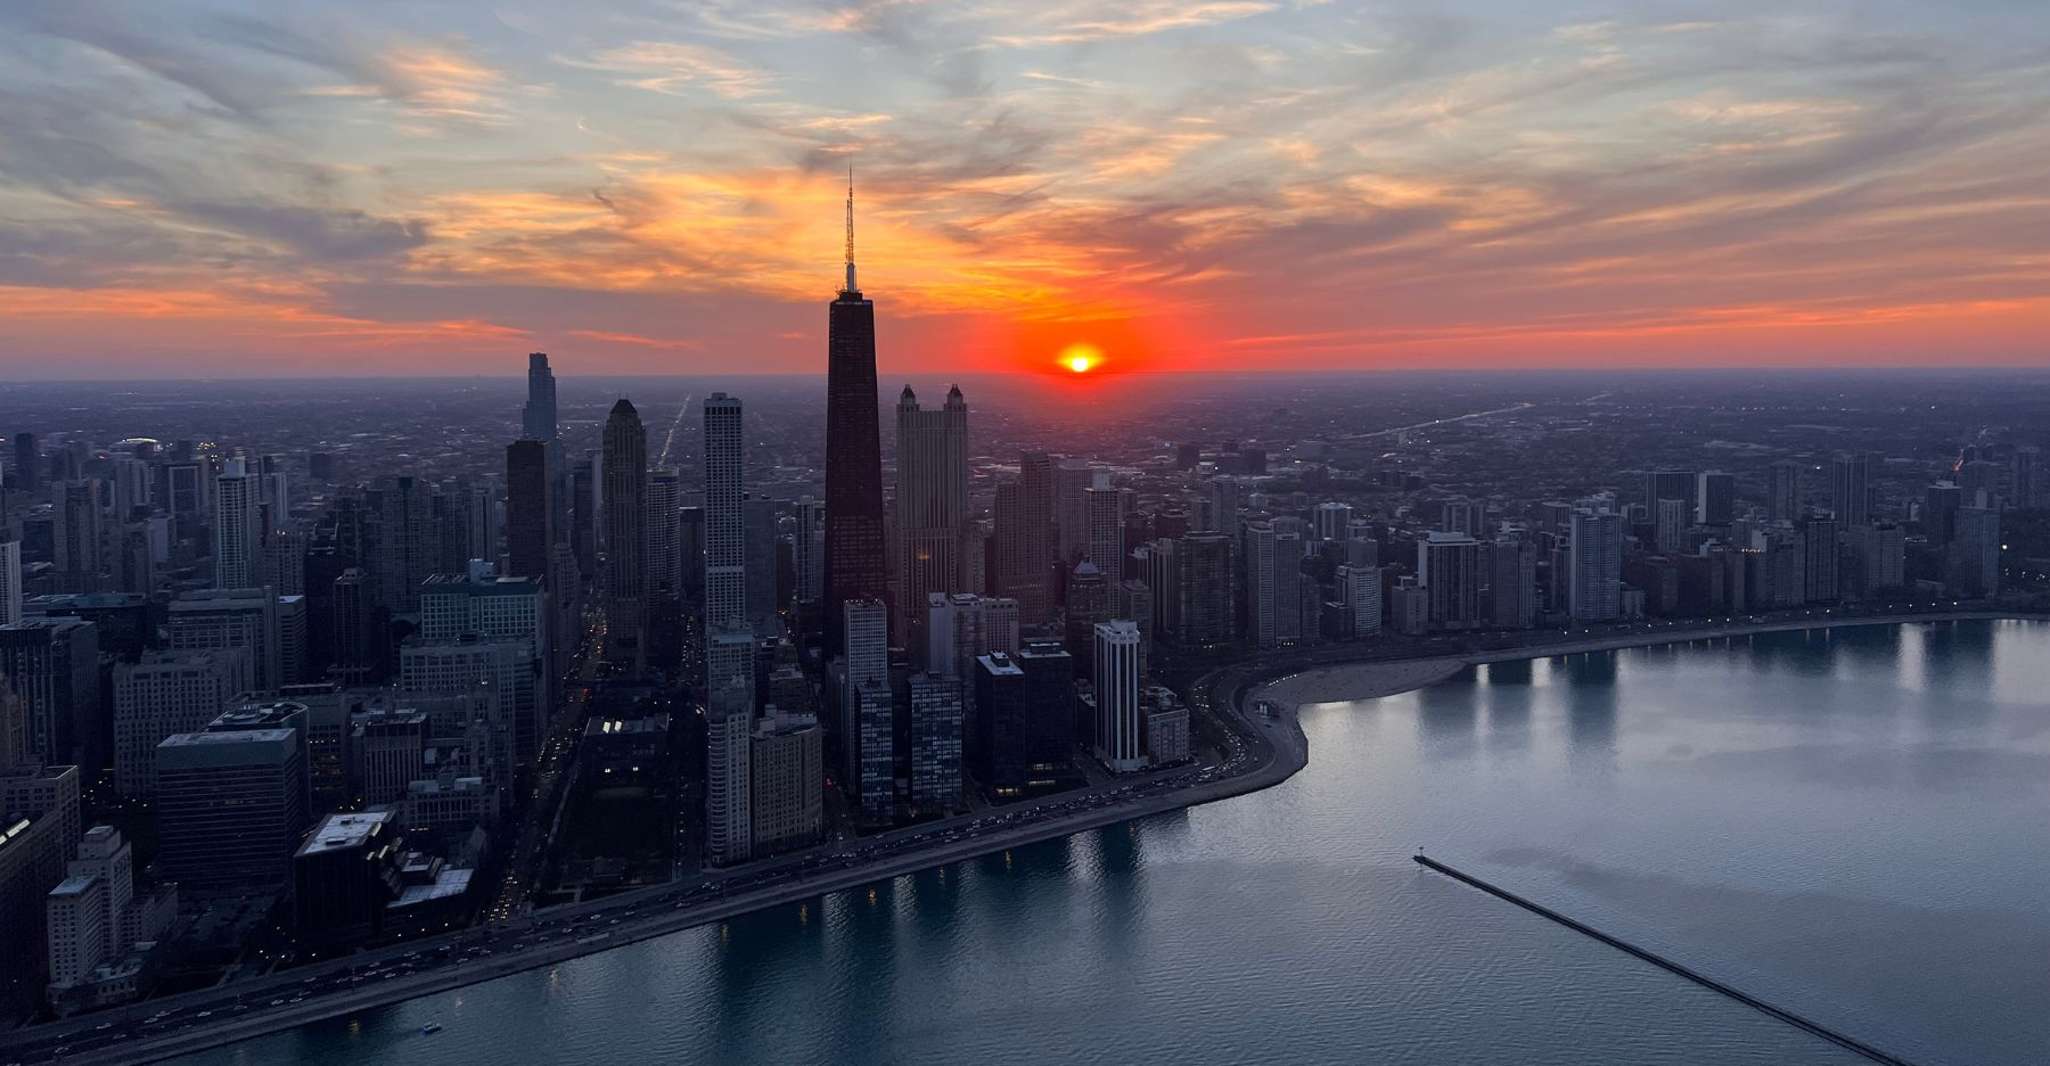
(342, 831)
(75, 885)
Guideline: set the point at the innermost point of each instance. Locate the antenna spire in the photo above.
(851, 287)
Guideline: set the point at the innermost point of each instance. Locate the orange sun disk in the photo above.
(1081, 358)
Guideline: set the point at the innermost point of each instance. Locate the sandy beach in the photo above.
(1359, 681)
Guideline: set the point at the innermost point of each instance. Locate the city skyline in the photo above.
(217, 189)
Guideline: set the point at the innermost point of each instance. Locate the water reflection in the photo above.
(1449, 715)
(1591, 710)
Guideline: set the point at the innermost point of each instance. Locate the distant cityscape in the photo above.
(262, 710)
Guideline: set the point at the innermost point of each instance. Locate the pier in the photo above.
(1842, 1040)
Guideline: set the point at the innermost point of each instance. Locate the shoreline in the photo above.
(1353, 681)
(1277, 747)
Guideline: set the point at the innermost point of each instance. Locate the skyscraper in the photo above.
(1783, 491)
(10, 579)
(1449, 570)
(1119, 740)
(27, 477)
(625, 512)
(1850, 488)
(1024, 535)
(529, 509)
(1203, 587)
(665, 493)
(867, 629)
(537, 418)
(1104, 510)
(808, 549)
(854, 565)
(936, 734)
(729, 639)
(1595, 555)
(1716, 498)
(237, 527)
(932, 498)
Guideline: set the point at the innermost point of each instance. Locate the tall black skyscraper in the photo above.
(626, 519)
(529, 510)
(537, 418)
(854, 452)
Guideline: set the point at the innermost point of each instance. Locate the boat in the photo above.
(430, 1029)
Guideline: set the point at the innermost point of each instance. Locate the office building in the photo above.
(729, 633)
(1119, 740)
(1715, 501)
(530, 532)
(931, 499)
(1671, 519)
(936, 710)
(875, 749)
(1783, 491)
(963, 627)
(1025, 537)
(344, 877)
(165, 693)
(625, 514)
(537, 417)
(1104, 512)
(53, 666)
(269, 629)
(854, 566)
(230, 809)
(1203, 589)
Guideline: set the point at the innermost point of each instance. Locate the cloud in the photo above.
(672, 67)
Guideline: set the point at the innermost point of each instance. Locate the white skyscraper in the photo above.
(237, 527)
(1361, 586)
(1595, 555)
(867, 628)
(729, 797)
(1119, 741)
(729, 640)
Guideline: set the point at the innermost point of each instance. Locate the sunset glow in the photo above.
(1081, 358)
(299, 189)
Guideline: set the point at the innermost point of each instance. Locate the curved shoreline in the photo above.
(1352, 680)
(1275, 747)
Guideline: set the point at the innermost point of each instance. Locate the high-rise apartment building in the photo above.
(1850, 488)
(1595, 556)
(1449, 570)
(936, 713)
(238, 527)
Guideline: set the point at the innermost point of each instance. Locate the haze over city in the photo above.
(900, 531)
(201, 188)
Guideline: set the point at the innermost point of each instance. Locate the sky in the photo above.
(196, 188)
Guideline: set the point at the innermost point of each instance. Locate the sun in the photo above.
(1081, 358)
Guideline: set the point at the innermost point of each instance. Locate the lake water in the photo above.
(1853, 824)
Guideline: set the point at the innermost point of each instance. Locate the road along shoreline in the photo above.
(1276, 747)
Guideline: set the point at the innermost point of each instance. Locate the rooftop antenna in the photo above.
(851, 287)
